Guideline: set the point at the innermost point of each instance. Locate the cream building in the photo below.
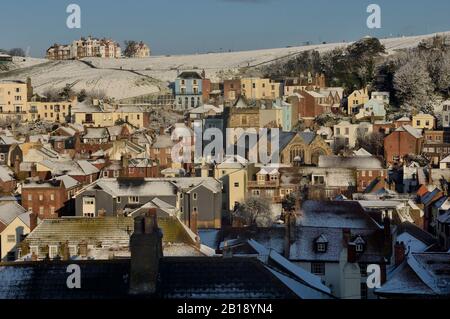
(17, 224)
(51, 111)
(234, 176)
(346, 131)
(257, 88)
(424, 121)
(14, 97)
(107, 115)
(356, 99)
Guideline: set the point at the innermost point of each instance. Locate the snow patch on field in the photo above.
(123, 78)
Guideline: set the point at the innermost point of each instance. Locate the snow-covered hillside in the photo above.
(122, 78)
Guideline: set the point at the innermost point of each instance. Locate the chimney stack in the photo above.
(17, 165)
(146, 251)
(399, 253)
(290, 233)
(34, 170)
(33, 221)
(346, 236)
(194, 221)
(161, 130)
(387, 237)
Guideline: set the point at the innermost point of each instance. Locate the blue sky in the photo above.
(190, 26)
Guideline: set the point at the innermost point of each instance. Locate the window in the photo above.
(133, 200)
(359, 248)
(52, 196)
(41, 197)
(321, 247)
(11, 238)
(41, 210)
(194, 209)
(53, 251)
(52, 210)
(34, 250)
(118, 200)
(236, 184)
(319, 180)
(105, 174)
(73, 251)
(194, 196)
(318, 268)
(30, 197)
(89, 200)
(255, 192)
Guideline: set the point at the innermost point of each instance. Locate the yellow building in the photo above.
(357, 99)
(257, 88)
(107, 116)
(424, 121)
(51, 111)
(234, 176)
(271, 117)
(14, 97)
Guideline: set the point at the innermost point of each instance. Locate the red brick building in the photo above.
(48, 199)
(403, 141)
(231, 89)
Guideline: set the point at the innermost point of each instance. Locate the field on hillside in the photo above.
(123, 78)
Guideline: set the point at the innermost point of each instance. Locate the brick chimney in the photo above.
(146, 251)
(387, 237)
(161, 130)
(194, 222)
(351, 253)
(34, 170)
(33, 221)
(17, 165)
(399, 253)
(290, 233)
(65, 253)
(346, 236)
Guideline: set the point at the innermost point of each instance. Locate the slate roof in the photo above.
(189, 75)
(109, 231)
(335, 214)
(179, 278)
(425, 275)
(303, 248)
(6, 174)
(9, 211)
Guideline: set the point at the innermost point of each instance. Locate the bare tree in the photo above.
(255, 211)
(131, 47)
(17, 52)
(373, 143)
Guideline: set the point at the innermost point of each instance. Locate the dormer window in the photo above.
(360, 244)
(321, 244)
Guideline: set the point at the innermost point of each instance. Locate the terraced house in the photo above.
(14, 97)
(198, 199)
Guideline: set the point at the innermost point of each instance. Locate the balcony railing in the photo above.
(264, 184)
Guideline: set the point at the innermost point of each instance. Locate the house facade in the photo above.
(188, 91)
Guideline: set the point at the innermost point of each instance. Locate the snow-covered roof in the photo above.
(6, 174)
(411, 130)
(362, 152)
(422, 274)
(9, 211)
(353, 162)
